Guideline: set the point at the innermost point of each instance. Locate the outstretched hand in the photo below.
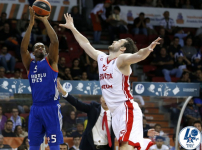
(152, 132)
(69, 21)
(154, 43)
(32, 16)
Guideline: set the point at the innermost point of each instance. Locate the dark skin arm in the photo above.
(54, 43)
(26, 59)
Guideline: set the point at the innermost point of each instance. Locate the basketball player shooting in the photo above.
(114, 72)
(45, 116)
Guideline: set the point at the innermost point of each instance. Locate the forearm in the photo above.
(144, 53)
(168, 63)
(51, 33)
(79, 37)
(26, 39)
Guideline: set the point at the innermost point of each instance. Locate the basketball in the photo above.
(41, 7)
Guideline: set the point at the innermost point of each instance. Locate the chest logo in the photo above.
(104, 67)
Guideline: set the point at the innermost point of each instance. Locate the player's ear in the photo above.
(122, 49)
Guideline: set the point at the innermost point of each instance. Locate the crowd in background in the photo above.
(178, 54)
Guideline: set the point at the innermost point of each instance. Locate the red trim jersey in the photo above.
(115, 86)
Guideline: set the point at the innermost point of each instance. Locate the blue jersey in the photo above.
(43, 82)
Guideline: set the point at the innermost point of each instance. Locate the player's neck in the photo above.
(113, 55)
(38, 59)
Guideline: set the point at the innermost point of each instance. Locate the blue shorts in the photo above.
(45, 119)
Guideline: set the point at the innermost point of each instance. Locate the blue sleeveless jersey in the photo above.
(43, 82)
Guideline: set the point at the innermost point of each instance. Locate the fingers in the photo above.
(62, 25)
(158, 39)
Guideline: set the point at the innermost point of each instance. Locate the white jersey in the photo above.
(115, 86)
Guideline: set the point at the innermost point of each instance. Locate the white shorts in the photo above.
(127, 125)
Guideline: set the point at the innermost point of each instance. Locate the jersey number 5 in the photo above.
(35, 69)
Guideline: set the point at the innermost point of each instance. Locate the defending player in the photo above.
(45, 116)
(114, 72)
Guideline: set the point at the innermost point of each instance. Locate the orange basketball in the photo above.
(42, 7)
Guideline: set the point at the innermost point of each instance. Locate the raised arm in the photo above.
(83, 41)
(54, 43)
(128, 59)
(26, 59)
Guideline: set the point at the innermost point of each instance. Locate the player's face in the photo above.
(39, 50)
(103, 103)
(116, 45)
(198, 126)
(63, 147)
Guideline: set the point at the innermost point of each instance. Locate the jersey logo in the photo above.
(35, 69)
(104, 67)
(101, 59)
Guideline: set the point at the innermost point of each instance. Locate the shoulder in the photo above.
(165, 147)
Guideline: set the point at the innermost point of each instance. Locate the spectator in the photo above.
(84, 61)
(164, 62)
(67, 74)
(149, 26)
(197, 124)
(167, 22)
(139, 25)
(76, 70)
(9, 38)
(198, 37)
(84, 76)
(148, 3)
(175, 47)
(69, 121)
(64, 133)
(191, 113)
(7, 132)
(16, 119)
(198, 75)
(157, 128)
(118, 23)
(2, 73)
(3, 119)
(146, 126)
(187, 5)
(159, 144)
(92, 71)
(174, 138)
(196, 62)
(181, 62)
(185, 77)
(157, 49)
(79, 131)
(21, 24)
(77, 17)
(61, 67)
(3, 146)
(98, 15)
(180, 34)
(189, 50)
(3, 20)
(162, 34)
(17, 74)
(133, 3)
(62, 35)
(159, 3)
(7, 60)
(176, 4)
(76, 141)
(25, 144)
(122, 2)
(19, 131)
(64, 146)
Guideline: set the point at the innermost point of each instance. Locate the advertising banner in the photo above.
(16, 8)
(166, 89)
(181, 17)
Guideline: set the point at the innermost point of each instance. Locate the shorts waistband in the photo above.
(46, 103)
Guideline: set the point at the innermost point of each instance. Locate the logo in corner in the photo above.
(67, 87)
(190, 137)
(139, 88)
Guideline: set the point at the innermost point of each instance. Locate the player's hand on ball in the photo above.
(32, 16)
(152, 132)
(69, 22)
(44, 18)
(154, 43)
